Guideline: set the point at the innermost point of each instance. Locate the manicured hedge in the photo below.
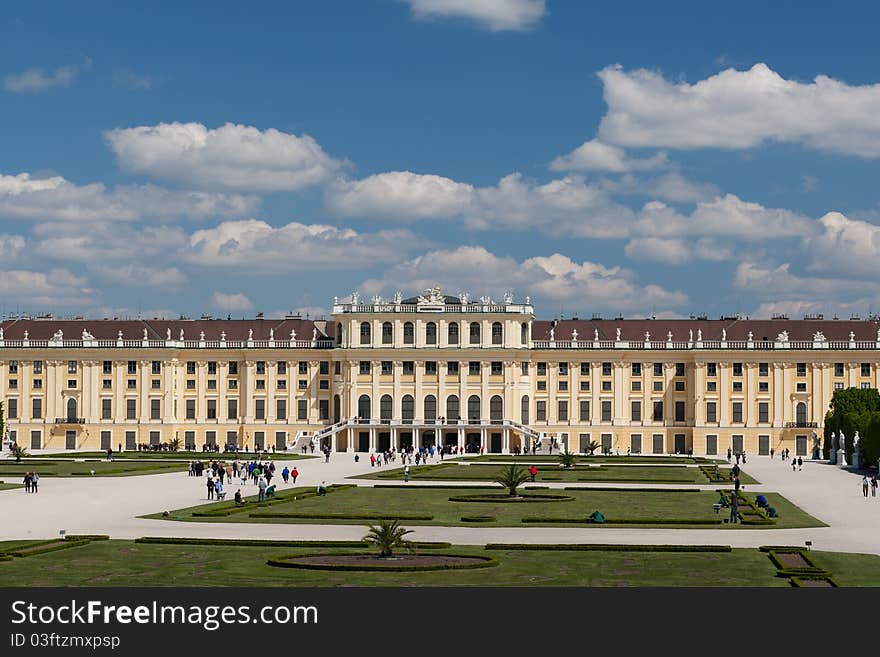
(797, 580)
(87, 537)
(623, 521)
(439, 487)
(341, 516)
(536, 487)
(774, 557)
(478, 518)
(634, 490)
(607, 547)
(6, 557)
(485, 562)
(254, 542)
(503, 498)
(637, 480)
(59, 545)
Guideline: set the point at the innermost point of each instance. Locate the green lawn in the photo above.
(56, 468)
(646, 508)
(452, 471)
(179, 456)
(681, 460)
(125, 563)
(6, 485)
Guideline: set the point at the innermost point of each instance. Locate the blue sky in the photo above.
(624, 157)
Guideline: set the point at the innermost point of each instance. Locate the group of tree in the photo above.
(855, 409)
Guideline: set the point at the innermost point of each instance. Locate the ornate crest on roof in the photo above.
(432, 296)
(818, 336)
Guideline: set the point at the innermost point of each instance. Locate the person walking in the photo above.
(372, 460)
(210, 485)
(728, 454)
(285, 474)
(771, 452)
(261, 484)
(865, 484)
(873, 485)
(800, 460)
(734, 508)
(35, 480)
(736, 485)
(793, 465)
(294, 474)
(533, 471)
(406, 473)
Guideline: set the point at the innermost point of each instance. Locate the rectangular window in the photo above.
(658, 386)
(155, 409)
(431, 367)
(542, 369)
(156, 367)
(106, 409)
(36, 408)
(542, 385)
(585, 369)
(190, 409)
(711, 445)
(281, 409)
(107, 367)
(131, 409)
(711, 386)
(495, 368)
(606, 386)
(636, 369)
(802, 387)
(865, 385)
(106, 384)
(387, 368)
(132, 367)
(658, 369)
(679, 411)
(261, 367)
(636, 386)
(38, 384)
(190, 367)
(585, 385)
(737, 386)
(524, 368)
(679, 369)
(324, 368)
(635, 443)
(541, 411)
(212, 384)
(474, 368)
(38, 367)
(13, 384)
(606, 411)
(636, 411)
(658, 411)
(231, 409)
(711, 369)
(190, 384)
(232, 384)
(585, 410)
(156, 384)
(323, 384)
(711, 412)
(606, 369)
(866, 369)
(679, 386)
(763, 386)
(737, 369)
(303, 367)
(763, 369)
(212, 409)
(71, 367)
(12, 409)
(452, 368)
(737, 412)
(563, 369)
(323, 409)
(763, 412)
(281, 367)
(337, 368)
(838, 385)
(302, 409)
(233, 367)
(365, 367)
(838, 369)
(562, 410)
(259, 409)
(212, 367)
(563, 386)
(801, 369)
(71, 383)
(409, 367)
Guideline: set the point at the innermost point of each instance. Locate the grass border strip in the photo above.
(607, 547)
(279, 562)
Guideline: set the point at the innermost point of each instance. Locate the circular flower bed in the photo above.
(504, 498)
(397, 563)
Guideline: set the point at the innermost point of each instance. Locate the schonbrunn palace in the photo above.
(427, 370)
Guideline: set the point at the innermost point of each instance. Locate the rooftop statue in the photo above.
(782, 337)
(87, 336)
(818, 336)
(58, 335)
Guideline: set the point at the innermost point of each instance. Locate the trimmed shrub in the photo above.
(607, 547)
(235, 542)
(6, 557)
(634, 490)
(506, 499)
(478, 518)
(87, 537)
(53, 547)
(439, 487)
(624, 521)
(484, 562)
(799, 581)
(341, 516)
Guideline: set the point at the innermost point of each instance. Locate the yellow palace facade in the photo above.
(428, 370)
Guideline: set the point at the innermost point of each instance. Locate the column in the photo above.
(724, 394)
(168, 370)
(698, 392)
(144, 391)
(118, 390)
(621, 394)
(24, 404)
(778, 395)
(787, 374)
(312, 392)
(749, 385)
(552, 385)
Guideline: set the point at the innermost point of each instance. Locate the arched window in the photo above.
(385, 409)
(496, 409)
(409, 333)
(407, 409)
(801, 413)
(453, 409)
(430, 409)
(524, 334)
(338, 333)
(387, 333)
(497, 333)
(473, 409)
(337, 408)
(430, 333)
(71, 409)
(453, 333)
(364, 410)
(475, 333)
(524, 412)
(365, 333)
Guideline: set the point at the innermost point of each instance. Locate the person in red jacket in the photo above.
(533, 471)
(294, 474)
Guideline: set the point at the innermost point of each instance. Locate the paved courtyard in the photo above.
(110, 505)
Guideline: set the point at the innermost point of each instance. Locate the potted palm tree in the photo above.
(511, 477)
(19, 452)
(567, 459)
(387, 536)
(593, 446)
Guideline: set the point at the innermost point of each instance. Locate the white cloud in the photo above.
(739, 109)
(234, 157)
(845, 247)
(231, 301)
(107, 243)
(124, 77)
(675, 251)
(778, 283)
(54, 198)
(496, 15)
(670, 186)
(11, 247)
(553, 278)
(594, 155)
(36, 79)
(255, 246)
(34, 290)
(133, 275)
(401, 195)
